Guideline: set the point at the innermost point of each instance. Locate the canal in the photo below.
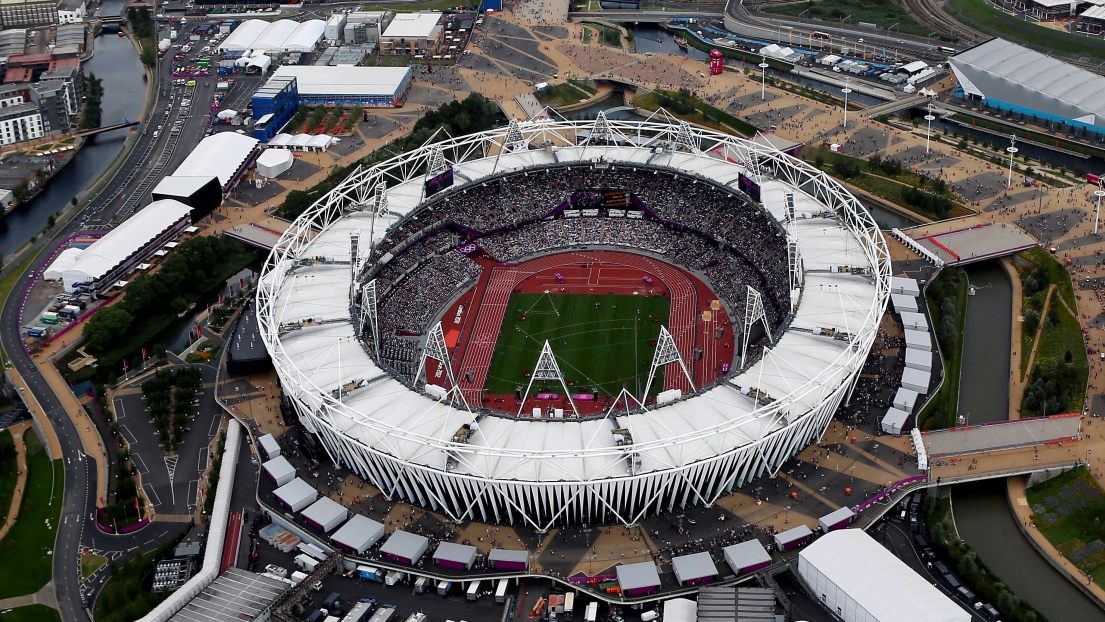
(116, 63)
(981, 510)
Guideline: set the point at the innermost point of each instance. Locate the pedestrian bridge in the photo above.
(988, 438)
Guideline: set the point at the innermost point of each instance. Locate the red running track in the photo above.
(230, 545)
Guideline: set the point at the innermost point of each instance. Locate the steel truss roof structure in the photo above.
(542, 472)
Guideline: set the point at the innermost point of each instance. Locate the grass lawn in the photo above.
(33, 535)
(91, 563)
(941, 411)
(702, 114)
(31, 613)
(601, 342)
(1067, 510)
(992, 21)
(561, 95)
(8, 476)
(882, 14)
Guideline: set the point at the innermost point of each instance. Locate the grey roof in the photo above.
(325, 511)
(508, 555)
(999, 69)
(235, 595)
(636, 576)
(835, 517)
(406, 545)
(268, 443)
(745, 555)
(278, 468)
(459, 553)
(793, 535)
(294, 492)
(359, 533)
(745, 604)
(695, 566)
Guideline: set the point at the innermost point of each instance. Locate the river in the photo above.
(981, 510)
(116, 63)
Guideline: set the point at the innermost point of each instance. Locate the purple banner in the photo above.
(584, 397)
(890, 490)
(548, 396)
(469, 249)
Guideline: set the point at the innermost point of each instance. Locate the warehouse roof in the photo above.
(279, 467)
(359, 533)
(219, 155)
(636, 576)
(126, 239)
(413, 25)
(876, 580)
(312, 80)
(508, 555)
(405, 544)
(459, 553)
(696, 566)
(324, 511)
(235, 595)
(1005, 71)
(295, 492)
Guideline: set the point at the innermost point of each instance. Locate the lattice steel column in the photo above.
(368, 312)
(666, 352)
(753, 312)
(547, 369)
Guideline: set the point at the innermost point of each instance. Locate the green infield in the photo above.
(601, 343)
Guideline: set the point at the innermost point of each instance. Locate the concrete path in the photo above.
(45, 596)
(17, 432)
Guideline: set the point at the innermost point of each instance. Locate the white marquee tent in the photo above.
(273, 162)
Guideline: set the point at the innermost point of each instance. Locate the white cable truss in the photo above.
(666, 352)
(562, 471)
(547, 369)
(753, 312)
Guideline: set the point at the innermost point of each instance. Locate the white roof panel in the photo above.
(412, 25)
(219, 155)
(243, 36)
(129, 237)
(312, 80)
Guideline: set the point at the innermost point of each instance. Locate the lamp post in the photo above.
(1097, 212)
(763, 79)
(928, 137)
(1012, 149)
(847, 89)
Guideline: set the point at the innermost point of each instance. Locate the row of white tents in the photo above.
(905, 295)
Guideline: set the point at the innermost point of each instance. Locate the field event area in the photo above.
(602, 343)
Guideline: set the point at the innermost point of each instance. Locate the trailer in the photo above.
(591, 614)
(393, 577)
(385, 613)
(443, 587)
(569, 605)
(370, 573)
(474, 590)
(306, 562)
(500, 591)
(420, 585)
(359, 613)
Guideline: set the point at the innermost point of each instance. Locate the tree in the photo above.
(148, 56)
(7, 451)
(107, 326)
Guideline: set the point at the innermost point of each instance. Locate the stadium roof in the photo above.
(876, 580)
(120, 243)
(412, 25)
(1007, 72)
(219, 155)
(312, 80)
(235, 595)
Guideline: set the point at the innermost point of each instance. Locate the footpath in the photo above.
(17, 432)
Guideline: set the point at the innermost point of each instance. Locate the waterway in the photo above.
(981, 510)
(116, 63)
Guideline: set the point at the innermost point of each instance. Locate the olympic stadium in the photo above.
(574, 322)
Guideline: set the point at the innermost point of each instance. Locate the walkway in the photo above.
(45, 596)
(17, 431)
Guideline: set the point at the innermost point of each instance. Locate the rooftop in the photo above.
(314, 80)
(234, 595)
(413, 25)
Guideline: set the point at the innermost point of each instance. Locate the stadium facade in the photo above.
(412, 442)
(1018, 80)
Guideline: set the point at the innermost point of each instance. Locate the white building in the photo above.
(20, 122)
(413, 33)
(860, 581)
(282, 35)
(71, 11)
(335, 27)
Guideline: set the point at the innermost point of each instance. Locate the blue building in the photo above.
(274, 104)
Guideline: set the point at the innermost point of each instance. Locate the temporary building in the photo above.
(243, 36)
(227, 114)
(746, 557)
(856, 577)
(305, 37)
(694, 569)
(914, 321)
(452, 555)
(108, 258)
(636, 579)
(274, 162)
(280, 470)
(325, 514)
(405, 547)
(918, 359)
(894, 421)
(905, 399)
(916, 380)
(259, 64)
(296, 494)
(63, 262)
(837, 519)
(358, 535)
(312, 549)
(280, 140)
(903, 302)
(320, 142)
(918, 339)
(793, 538)
(269, 446)
(203, 194)
(507, 559)
(222, 155)
(273, 38)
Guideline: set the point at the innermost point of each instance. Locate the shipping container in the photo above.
(298, 577)
(306, 562)
(474, 590)
(395, 576)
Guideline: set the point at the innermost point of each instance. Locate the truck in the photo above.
(332, 602)
(591, 614)
(276, 570)
(358, 613)
(443, 587)
(386, 613)
(36, 332)
(569, 605)
(500, 591)
(421, 584)
(393, 577)
(370, 573)
(318, 615)
(298, 577)
(416, 617)
(474, 590)
(306, 563)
